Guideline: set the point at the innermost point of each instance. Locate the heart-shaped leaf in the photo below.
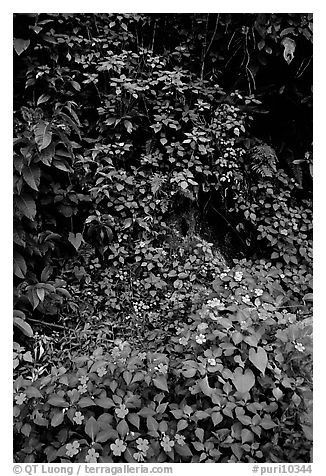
(243, 382)
(76, 240)
(258, 358)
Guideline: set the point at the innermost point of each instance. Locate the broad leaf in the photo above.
(57, 401)
(76, 240)
(21, 45)
(32, 175)
(20, 267)
(160, 382)
(258, 358)
(23, 326)
(243, 382)
(43, 135)
(26, 205)
(123, 428)
(92, 428)
(57, 419)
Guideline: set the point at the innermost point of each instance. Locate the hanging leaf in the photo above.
(243, 382)
(32, 175)
(92, 428)
(42, 134)
(26, 205)
(20, 267)
(47, 154)
(128, 126)
(23, 326)
(46, 273)
(258, 358)
(21, 45)
(75, 240)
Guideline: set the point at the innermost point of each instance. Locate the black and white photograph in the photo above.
(162, 229)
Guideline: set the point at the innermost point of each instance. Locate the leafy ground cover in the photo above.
(163, 238)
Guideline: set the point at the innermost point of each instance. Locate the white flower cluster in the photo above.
(259, 292)
(215, 304)
(238, 275)
(299, 346)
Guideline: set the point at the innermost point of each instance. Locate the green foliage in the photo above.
(163, 229)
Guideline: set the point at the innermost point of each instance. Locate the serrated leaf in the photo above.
(23, 326)
(21, 45)
(92, 428)
(161, 383)
(258, 358)
(32, 175)
(42, 134)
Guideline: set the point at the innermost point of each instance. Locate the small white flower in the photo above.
(238, 276)
(92, 456)
(211, 361)
(82, 389)
(72, 448)
(246, 299)
(183, 341)
(284, 232)
(20, 398)
(139, 456)
(78, 418)
(101, 371)
(202, 327)
(259, 292)
(200, 339)
(299, 347)
(243, 325)
(163, 368)
(180, 439)
(83, 379)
